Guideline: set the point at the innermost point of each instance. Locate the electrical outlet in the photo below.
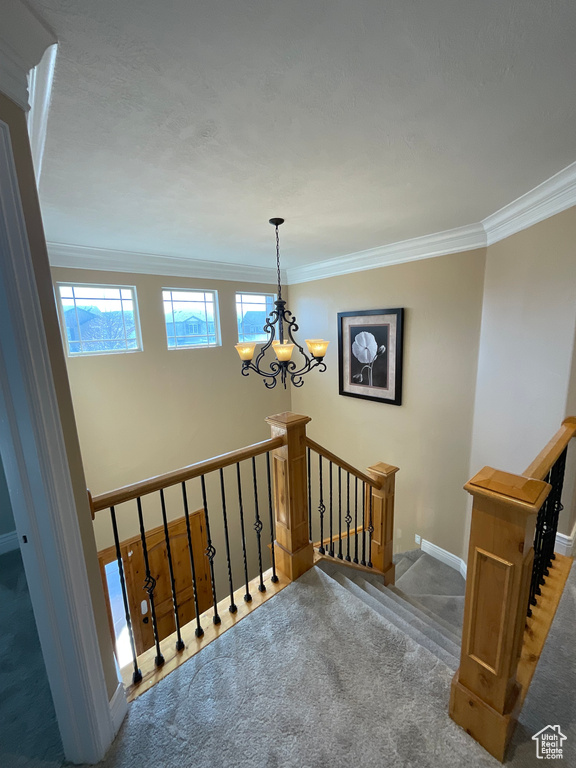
(417, 539)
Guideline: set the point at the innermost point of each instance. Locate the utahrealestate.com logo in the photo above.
(549, 743)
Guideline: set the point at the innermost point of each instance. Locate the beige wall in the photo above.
(146, 413)
(14, 117)
(428, 437)
(527, 346)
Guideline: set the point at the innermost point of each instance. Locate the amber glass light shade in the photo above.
(283, 351)
(317, 347)
(246, 349)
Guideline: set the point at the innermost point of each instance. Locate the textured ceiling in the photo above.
(180, 127)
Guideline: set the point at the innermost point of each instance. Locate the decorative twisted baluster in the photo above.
(271, 514)
(210, 550)
(340, 513)
(363, 561)
(179, 642)
(232, 607)
(546, 527)
(198, 631)
(370, 531)
(258, 526)
(355, 520)
(309, 495)
(149, 584)
(137, 674)
(247, 596)
(321, 507)
(348, 517)
(331, 550)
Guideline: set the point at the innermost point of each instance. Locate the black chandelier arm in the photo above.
(308, 366)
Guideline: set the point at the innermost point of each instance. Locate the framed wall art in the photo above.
(370, 354)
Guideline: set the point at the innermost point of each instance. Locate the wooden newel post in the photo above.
(382, 518)
(485, 696)
(292, 547)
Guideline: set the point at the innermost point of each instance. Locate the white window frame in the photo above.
(217, 331)
(250, 293)
(105, 286)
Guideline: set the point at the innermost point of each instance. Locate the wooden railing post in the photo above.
(292, 547)
(485, 696)
(383, 518)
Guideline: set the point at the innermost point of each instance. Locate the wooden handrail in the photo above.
(548, 456)
(129, 492)
(343, 464)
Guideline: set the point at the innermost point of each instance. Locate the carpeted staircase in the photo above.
(426, 603)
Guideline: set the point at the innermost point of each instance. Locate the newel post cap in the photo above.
(512, 490)
(383, 469)
(288, 419)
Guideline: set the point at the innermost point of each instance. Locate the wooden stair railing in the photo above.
(376, 515)
(500, 645)
(292, 552)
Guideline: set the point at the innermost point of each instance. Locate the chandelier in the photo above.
(280, 328)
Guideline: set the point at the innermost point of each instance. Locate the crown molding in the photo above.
(553, 196)
(40, 92)
(23, 40)
(103, 259)
(456, 240)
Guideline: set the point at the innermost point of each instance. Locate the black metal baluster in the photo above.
(270, 510)
(370, 530)
(232, 607)
(198, 631)
(149, 584)
(557, 475)
(137, 674)
(309, 497)
(247, 596)
(179, 642)
(210, 550)
(355, 560)
(339, 513)
(348, 517)
(331, 550)
(258, 526)
(363, 561)
(321, 507)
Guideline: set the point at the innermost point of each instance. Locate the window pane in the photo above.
(97, 319)
(251, 313)
(191, 318)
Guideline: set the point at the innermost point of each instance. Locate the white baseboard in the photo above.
(8, 542)
(118, 708)
(564, 545)
(444, 556)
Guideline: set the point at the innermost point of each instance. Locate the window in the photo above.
(99, 318)
(252, 309)
(191, 318)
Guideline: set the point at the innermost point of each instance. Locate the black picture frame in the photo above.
(370, 352)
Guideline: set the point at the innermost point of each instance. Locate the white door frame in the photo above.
(34, 457)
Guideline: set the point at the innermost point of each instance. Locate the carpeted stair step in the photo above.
(429, 576)
(405, 561)
(450, 608)
(405, 611)
(452, 628)
(393, 618)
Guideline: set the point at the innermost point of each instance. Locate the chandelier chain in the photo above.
(278, 262)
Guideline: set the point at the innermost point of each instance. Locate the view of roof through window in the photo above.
(191, 318)
(252, 309)
(99, 319)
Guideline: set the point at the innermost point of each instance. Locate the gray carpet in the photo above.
(312, 678)
(29, 736)
(318, 677)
